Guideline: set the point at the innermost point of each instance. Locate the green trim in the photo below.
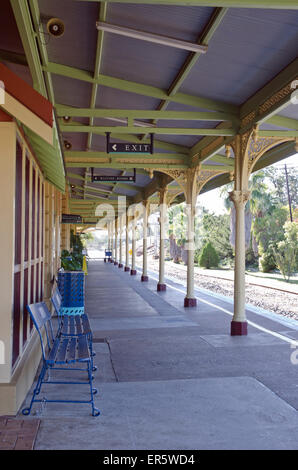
(49, 158)
(147, 130)
(138, 88)
(282, 121)
(275, 4)
(63, 110)
(275, 133)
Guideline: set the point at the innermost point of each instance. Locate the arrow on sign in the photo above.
(114, 147)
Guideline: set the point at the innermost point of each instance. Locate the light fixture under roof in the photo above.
(151, 37)
(67, 145)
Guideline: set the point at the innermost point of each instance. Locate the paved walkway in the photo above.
(173, 378)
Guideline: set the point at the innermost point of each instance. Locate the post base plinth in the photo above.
(126, 269)
(120, 265)
(115, 263)
(190, 302)
(238, 328)
(144, 278)
(133, 272)
(161, 287)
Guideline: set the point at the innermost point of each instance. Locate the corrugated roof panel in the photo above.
(247, 50)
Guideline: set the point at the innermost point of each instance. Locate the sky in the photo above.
(214, 202)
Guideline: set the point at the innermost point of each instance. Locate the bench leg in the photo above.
(27, 411)
(93, 391)
(92, 353)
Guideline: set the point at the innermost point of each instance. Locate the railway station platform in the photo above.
(173, 378)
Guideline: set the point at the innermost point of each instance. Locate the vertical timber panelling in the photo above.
(7, 277)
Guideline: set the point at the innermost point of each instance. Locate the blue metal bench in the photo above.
(59, 353)
(72, 325)
(108, 254)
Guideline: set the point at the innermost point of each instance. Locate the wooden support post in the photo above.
(144, 277)
(116, 243)
(191, 198)
(120, 265)
(126, 268)
(133, 270)
(239, 322)
(161, 286)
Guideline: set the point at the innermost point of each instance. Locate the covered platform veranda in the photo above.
(173, 378)
(111, 111)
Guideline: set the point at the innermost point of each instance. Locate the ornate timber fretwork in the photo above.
(248, 148)
(248, 119)
(267, 106)
(276, 98)
(206, 175)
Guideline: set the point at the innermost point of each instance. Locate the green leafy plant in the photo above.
(71, 261)
(209, 257)
(286, 251)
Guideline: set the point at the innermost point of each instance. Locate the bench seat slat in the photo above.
(72, 349)
(62, 351)
(77, 319)
(86, 324)
(83, 350)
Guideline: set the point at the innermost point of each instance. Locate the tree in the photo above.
(276, 176)
(286, 252)
(215, 229)
(209, 257)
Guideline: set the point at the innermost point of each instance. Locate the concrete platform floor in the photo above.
(173, 378)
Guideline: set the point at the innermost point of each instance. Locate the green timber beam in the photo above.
(86, 202)
(157, 143)
(278, 133)
(98, 60)
(63, 110)
(27, 34)
(282, 121)
(154, 130)
(139, 88)
(127, 165)
(275, 4)
(93, 156)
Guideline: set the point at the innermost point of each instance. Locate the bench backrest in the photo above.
(56, 300)
(41, 318)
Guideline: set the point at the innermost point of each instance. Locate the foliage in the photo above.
(76, 243)
(286, 251)
(209, 257)
(71, 261)
(277, 178)
(178, 223)
(216, 230)
(267, 261)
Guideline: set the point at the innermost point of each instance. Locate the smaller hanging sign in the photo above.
(71, 219)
